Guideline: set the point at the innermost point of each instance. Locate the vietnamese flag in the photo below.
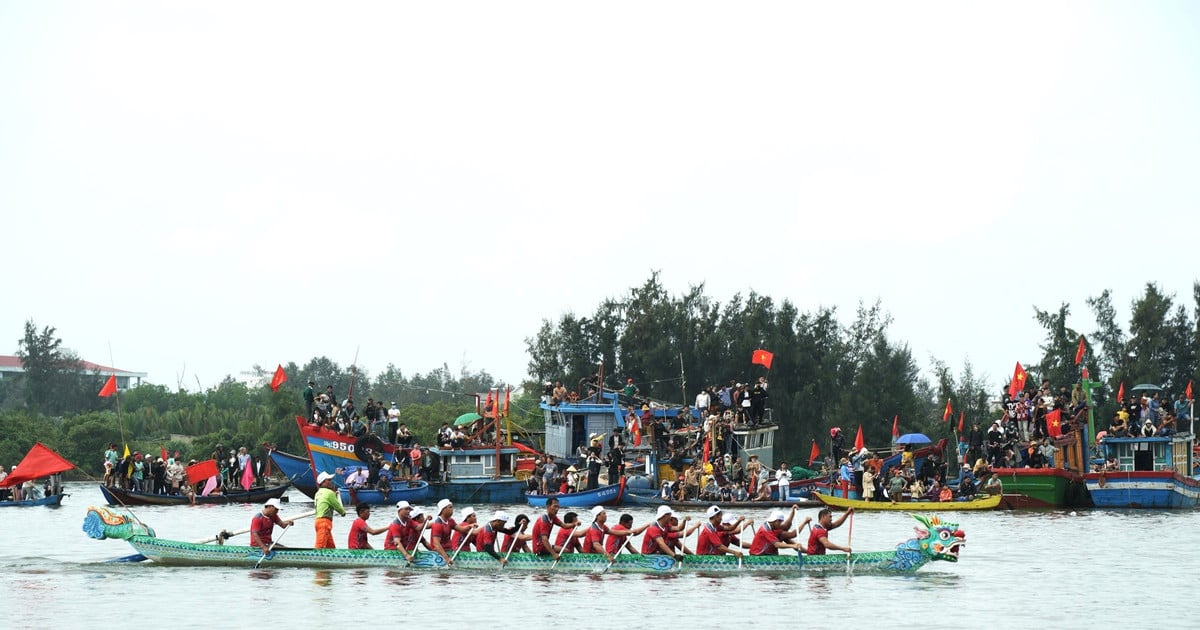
(948, 412)
(635, 427)
(1079, 352)
(1054, 423)
(1188, 392)
(1121, 392)
(110, 387)
(858, 439)
(163, 451)
(763, 358)
(279, 379)
(895, 426)
(814, 454)
(960, 425)
(202, 470)
(1017, 385)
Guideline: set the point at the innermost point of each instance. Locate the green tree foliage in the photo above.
(53, 380)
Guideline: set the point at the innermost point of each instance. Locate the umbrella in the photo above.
(1146, 387)
(467, 418)
(913, 438)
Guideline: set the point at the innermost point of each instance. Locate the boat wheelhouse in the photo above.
(1150, 472)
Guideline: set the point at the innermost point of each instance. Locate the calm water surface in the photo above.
(1023, 569)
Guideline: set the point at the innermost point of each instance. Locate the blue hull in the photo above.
(298, 470)
(466, 490)
(1143, 490)
(53, 500)
(607, 495)
(400, 492)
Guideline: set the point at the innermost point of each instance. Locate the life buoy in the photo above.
(366, 446)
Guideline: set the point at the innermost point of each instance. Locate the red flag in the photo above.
(507, 394)
(248, 475)
(858, 439)
(949, 410)
(279, 379)
(814, 454)
(763, 358)
(1188, 392)
(1054, 423)
(110, 387)
(164, 453)
(896, 426)
(39, 462)
(707, 447)
(960, 422)
(488, 411)
(1121, 392)
(635, 427)
(1079, 352)
(202, 470)
(1018, 381)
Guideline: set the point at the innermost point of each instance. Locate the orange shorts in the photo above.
(324, 527)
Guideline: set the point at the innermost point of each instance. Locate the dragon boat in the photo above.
(990, 502)
(936, 540)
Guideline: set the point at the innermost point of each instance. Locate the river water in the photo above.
(1019, 569)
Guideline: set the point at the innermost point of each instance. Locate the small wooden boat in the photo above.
(936, 540)
(412, 491)
(984, 503)
(117, 496)
(41, 461)
(53, 500)
(604, 495)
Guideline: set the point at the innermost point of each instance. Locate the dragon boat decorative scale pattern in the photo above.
(937, 540)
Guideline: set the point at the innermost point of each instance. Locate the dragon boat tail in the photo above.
(936, 540)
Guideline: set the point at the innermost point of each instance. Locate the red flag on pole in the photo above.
(858, 439)
(947, 413)
(1188, 392)
(203, 470)
(1121, 392)
(1054, 423)
(960, 422)
(1017, 384)
(507, 395)
(814, 454)
(279, 379)
(163, 452)
(763, 358)
(40, 461)
(110, 387)
(248, 475)
(635, 427)
(896, 426)
(707, 447)
(1079, 352)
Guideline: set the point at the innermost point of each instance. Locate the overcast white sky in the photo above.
(222, 184)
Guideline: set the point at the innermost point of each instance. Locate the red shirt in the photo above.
(764, 542)
(613, 543)
(485, 537)
(358, 535)
(508, 543)
(654, 532)
(595, 534)
(672, 538)
(397, 530)
(264, 526)
(710, 539)
(442, 530)
(456, 540)
(542, 527)
(565, 542)
(815, 548)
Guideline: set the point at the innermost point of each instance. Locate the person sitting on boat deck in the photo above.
(916, 490)
(724, 493)
(568, 538)
(326, 502)
(485, 538)
(818, 538)
(655, 539)
(945, 495)
(1166, 427)
(715, 539)
(384, 485)
(993, 485)
(398, 532)
(468, 518)
(769, 537)
(356, 478)
(514, 537)
(262, 526)
(443, 528)
(544, 526)
(359, 529)
(933, 491)
(966, 487)
(764, 485)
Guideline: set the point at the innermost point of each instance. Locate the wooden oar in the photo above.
(220, 539)
(281, 534)
(849, 543)
(513, 546)
(462, 544)
(421, 533)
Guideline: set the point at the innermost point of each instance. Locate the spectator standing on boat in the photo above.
(549, 475)
(837, 443)
(1181, 408)
(326, 502)
(310, 398)
(111, 456)
(702, 402)
(783, 480)
(630, 391)
(818, 538)
(139, 468)
(896, 485)
(262, 526)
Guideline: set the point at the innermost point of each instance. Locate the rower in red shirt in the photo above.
(360, 528)
(655, 539)
(515, 538)
(768, 538)
(442, 528)
(263, 525)
(542, 528)
(619, 535)
(456, 540)
(568, 537)
(818, 540)
(593, 540)
(485, 538)
(398, 531)
(714, 540)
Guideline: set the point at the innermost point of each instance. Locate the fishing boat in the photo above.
(414, 492)
(604, 495)
(989, 502)
(118, 496)
(1151, 472)
(298, 471)
(935, 540)
(41, 461)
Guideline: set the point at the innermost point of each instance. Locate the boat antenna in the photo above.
(353, 373)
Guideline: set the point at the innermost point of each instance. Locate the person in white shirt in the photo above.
(784, 477)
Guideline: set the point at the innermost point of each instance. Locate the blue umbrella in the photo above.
(913, 438)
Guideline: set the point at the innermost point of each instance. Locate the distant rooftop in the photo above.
(12, 364)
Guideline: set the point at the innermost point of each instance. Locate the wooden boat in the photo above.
(117, 496)
(414, 492)
(700, 506)
(936, 540)
(984, 503)
(604, 495)
(53, 500)
(1152, 472)
(298, 470)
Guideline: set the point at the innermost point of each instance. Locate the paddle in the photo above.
(220, 539)
(281, 535)
(513, 545)
(849, 541)
(462, 544)
(408, 561)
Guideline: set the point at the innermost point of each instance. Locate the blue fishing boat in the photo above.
(604, 495)
(414, 492)
(297, 469)
(53, 500)
(1150, 472)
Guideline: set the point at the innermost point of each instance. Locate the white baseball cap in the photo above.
(500, 515)
(712, 511)
(597, 510)
(467, 511)
(443, 504)
(728, 519)
(323, 477)
(417, 513)
(663, 510)
(273, 503)
(776, 515)
(402, 505)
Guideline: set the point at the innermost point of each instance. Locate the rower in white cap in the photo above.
(262, 526)
(485, 538)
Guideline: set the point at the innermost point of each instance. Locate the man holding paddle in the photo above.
(327, 502)
(262, 526)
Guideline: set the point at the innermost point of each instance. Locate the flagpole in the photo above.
(117, 395)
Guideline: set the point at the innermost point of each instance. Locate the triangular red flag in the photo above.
(163, 452)
(858, 439)
(1079, 352)
(949, 410)
(814, 454)
(960, 422)
(763, 358)
(39, 462)
(279, 379)
(1054, 423)
(1188, 392)
(110, 387)
(1121, 392)
(896, 426)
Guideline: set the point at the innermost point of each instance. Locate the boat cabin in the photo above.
(756, 440)
(475, 463)
(1145, 454)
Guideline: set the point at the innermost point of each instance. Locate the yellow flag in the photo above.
(126, 450)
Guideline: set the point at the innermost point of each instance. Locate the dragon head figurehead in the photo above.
(939, 539)
(101, 523)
